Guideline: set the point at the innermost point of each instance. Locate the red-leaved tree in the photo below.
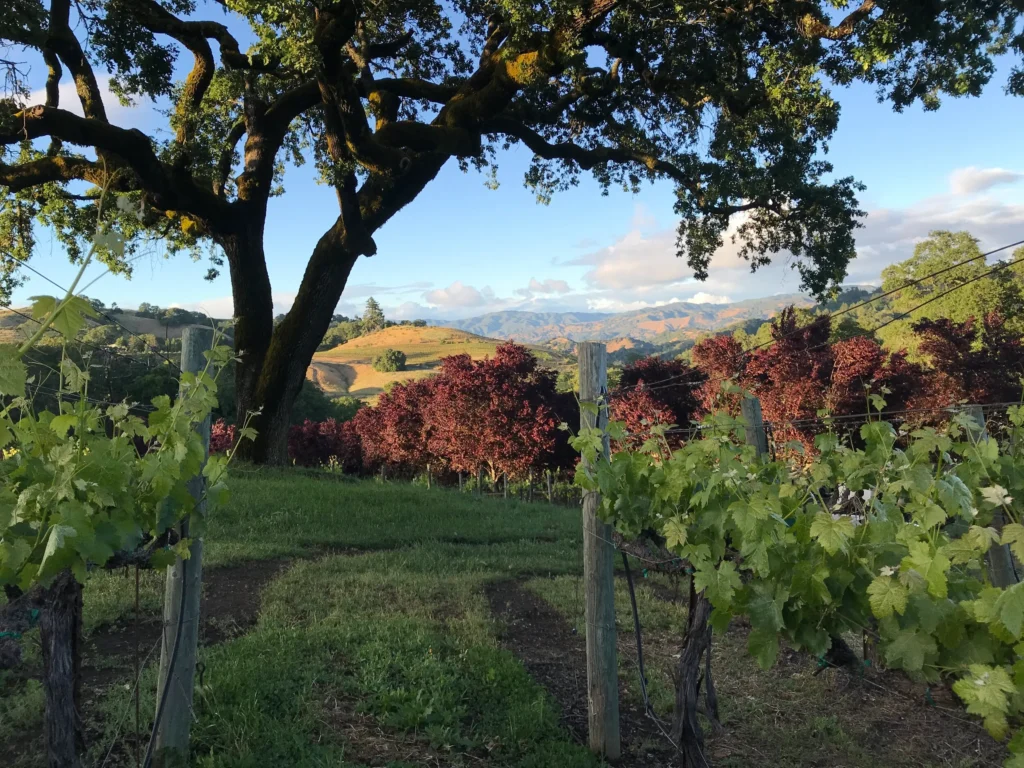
(497, 414)
(970, 363)
(394, 433)
(317, 443)
(719, 358)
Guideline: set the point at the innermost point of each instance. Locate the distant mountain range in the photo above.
(656, 325)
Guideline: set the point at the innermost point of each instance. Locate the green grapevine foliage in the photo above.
(87, 482)
(889, 538)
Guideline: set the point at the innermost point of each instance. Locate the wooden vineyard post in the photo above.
(750, 408)
(504, 478)
(181, 602)
(1000, 561)
(460, 482)
(550, 497)
(479, 481)
(598, 574)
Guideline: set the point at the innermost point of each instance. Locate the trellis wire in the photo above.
(663, 383)
(102, 314)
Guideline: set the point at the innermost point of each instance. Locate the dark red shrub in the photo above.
(393, 432)
(222, 436)
(315, 443)
(972, 364)
(641, 409)
(719, 358)
(498, 414)
(670, 384)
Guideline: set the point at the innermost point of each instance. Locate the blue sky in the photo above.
(461, 249)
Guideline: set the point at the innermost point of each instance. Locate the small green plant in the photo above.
(389, 361)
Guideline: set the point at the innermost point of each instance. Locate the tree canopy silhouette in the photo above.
(727, 101)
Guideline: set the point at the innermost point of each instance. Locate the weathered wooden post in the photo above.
(181, 603)
(598, 574)
(551, 499)
(504, 477)
(479, 481)
(750, 408)
(1000, 560)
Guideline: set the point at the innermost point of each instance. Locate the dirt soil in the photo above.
(230, 606)
(554, 653)
(902, 725)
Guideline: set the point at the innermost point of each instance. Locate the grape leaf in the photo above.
(986, 692)
(908, 650)
(718, 584)
(832, 533)
(675, 534)
(886, 596)
(1010, 609)
(764, 647)
(932, 566)
(13, 373)
(1013, 534)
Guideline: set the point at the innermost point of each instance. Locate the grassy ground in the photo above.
(377, 644)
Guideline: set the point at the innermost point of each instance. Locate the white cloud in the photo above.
(459, 295)
(138, 115)
(372, 289)
(703, 297)
(967, 181)
(643, 218)
(545, 287)
(642, 267)
(223, 307)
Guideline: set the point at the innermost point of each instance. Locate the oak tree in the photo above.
(729, 102)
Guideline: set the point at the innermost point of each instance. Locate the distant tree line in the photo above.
(344, 328)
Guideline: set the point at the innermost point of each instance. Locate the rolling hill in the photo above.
(348, 368)
(659, 325)
(11, 324)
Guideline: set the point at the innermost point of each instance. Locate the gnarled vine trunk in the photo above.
(686, 730)
(60, 624)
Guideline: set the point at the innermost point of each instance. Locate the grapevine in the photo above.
(889, 538)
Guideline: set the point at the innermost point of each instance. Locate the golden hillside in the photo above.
(347, 369)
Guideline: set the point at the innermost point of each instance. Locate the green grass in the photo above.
(376, 645)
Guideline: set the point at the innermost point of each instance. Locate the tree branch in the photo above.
(266, 134)
(62, 40)
(583, 157)
(421, 137)
(389, 49)
(192, 35)
(813, 25)
(131, 146)
(411, 88)
(227, 156)
(46, 170)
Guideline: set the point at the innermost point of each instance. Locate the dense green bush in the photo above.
(346, 407)
(389, 361)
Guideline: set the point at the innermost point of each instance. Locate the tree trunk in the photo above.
(60, 625)
(686, 730)
(274, 360)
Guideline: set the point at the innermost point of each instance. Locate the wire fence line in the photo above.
(104, 315)
(100, 347)
(667, 382)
